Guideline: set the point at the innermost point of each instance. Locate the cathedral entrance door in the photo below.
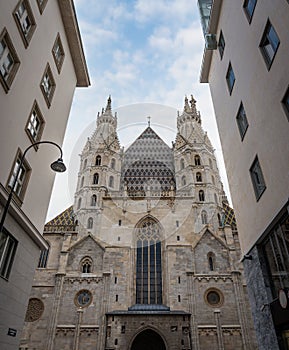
(148, 340)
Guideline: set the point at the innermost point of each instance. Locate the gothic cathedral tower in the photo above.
(148, 255)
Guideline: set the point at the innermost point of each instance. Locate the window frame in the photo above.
(26, 37)
(8, 80)
(41, 5)
(48, 97)
(7, 254)
(43, 259)
(58, 62)
(249, 14)
(262, 46)
(19, 196)
(240, 117)
(38, 134)
(221, 44)
(255, 178)
(285, 102)
(230, 73)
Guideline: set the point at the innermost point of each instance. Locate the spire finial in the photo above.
(193, 105)
(149, 121)
(108, 106)
(187, 107)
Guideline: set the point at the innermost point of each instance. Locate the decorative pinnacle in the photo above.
(187, 107)
(108, 106)
(149, 121)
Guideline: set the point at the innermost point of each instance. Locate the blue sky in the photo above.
(143, 53)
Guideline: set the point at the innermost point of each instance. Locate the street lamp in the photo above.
(57, 166)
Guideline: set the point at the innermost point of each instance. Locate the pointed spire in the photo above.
(108, 106)
(193, 105)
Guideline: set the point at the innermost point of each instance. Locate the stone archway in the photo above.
(148, 340)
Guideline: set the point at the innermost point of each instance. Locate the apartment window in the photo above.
(221, 44)
(35, 124)
(257, 178)
(230, 78)
(285, 103)
(242, 121)
(25, 21)
(269, 44)
(41, 5)
(47, 85)
(58, 53)
(9, 61)
(8, 245)
(23, 172)
(42, 263)
(249, 7)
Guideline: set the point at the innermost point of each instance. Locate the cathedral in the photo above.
(148, 257)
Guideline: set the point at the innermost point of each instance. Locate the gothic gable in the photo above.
(86, 248)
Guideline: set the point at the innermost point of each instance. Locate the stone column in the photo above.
(219, 330)
(104, 308)
(77, 329)
(240, 301)
(192, 310)
(59, 278)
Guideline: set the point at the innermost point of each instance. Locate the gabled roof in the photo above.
(206, 231)
(96, 241)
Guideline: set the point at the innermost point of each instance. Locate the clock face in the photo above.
(83, 298)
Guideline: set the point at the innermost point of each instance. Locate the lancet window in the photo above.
(148, 263)
(197, 160)
(98, 160)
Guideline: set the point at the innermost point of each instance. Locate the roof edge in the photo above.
(71, 27)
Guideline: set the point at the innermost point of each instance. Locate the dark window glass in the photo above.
(42, 263)
(242, 121)
(257, 178)
(230, 78)
(249, 7)
(285, 102)
(98, 160)
(269, 44)
(8, 245)
(221, 44)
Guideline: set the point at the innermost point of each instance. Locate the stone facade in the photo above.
(148, 256)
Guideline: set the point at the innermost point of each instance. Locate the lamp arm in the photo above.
(5, 210)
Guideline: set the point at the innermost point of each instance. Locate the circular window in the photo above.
(214, 297)
(83, 298)
(34, 310)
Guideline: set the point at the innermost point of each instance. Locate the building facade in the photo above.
(148, 255)
(245, 64)
(41, 63)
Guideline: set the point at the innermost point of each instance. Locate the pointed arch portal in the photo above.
(148, 340)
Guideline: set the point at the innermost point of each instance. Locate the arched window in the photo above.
(211, 261)
(79, 203)
(197, 160)
(213, 180)
(220, 220)
(199, 177)
(95, 179)
(93, 200)
(90, 223)
(84, 163)
(204, 217)
(201, 196)
(182, 163)
(216, 198)
(82, 182)
(211, 163)
(98, 160)
(112, 164)
(148, 263)
(184, 182)
(111, 182)
(86, 265)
